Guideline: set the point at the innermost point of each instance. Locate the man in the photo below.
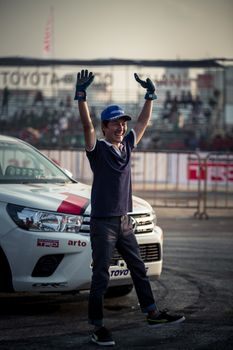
(111, 200)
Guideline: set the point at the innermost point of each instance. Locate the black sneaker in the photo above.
(102, 337)
(163, 318)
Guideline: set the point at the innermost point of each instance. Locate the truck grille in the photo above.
(149, 253)
(144, 223)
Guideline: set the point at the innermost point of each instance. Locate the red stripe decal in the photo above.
(73, 204)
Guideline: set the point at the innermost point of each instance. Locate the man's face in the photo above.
(115, 130)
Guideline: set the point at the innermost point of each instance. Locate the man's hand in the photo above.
(148, 85)
(84, 79)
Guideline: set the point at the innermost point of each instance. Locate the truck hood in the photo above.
(71, 198)
(64, 198)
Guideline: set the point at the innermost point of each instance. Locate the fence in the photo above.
(163, 179)
(217, 173)
(188, 180)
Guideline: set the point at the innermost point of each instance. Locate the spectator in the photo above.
(5, 100)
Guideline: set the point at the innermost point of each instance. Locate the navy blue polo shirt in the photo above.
(111, 193)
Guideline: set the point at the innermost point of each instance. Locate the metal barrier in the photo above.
(217, 174)
(169, 179)
(165, 179)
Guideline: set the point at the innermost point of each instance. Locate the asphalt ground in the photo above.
(197, 281)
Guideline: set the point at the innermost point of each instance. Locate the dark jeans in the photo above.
(106, 234)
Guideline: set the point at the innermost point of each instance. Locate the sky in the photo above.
(134, 29)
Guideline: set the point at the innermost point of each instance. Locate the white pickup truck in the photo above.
(44, 227)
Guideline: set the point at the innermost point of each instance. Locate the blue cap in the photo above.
(114, 112)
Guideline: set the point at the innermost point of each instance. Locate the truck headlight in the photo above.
(47, 221)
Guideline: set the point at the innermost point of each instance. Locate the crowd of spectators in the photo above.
(182, 123)
(43, 123)
(188, 122)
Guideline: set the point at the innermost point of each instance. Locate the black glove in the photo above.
(84, 79)
(149, 86)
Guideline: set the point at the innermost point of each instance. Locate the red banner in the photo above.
(210, 171)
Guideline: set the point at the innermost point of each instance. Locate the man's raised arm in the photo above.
(84, 79)
(145, 115)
